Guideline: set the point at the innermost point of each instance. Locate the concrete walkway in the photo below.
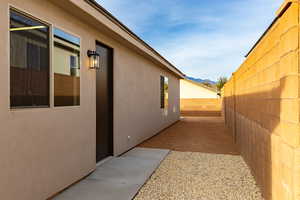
(195, 134)
(119, 178)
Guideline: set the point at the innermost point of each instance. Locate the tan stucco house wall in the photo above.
(44, 150)
(197, 99)
(192, 90)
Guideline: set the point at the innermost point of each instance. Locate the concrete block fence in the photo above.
(261, 107)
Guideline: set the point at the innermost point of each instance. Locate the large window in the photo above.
(29, 62)
(66, 66)
(164, 92)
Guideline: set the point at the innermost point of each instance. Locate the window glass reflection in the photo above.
(66, 66)
(29, 62)
(164, 92)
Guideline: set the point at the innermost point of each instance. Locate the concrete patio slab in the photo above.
(117, 178)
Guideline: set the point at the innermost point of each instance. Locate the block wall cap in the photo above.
(284, 5)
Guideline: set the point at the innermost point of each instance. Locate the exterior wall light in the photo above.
(94, 59)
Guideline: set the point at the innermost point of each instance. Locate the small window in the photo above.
(164, 92)
(66, 66)
(29, 62)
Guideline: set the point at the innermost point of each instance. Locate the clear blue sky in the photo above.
(203, 38)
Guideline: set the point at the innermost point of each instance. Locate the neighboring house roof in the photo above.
(202, 85)
(122, 31)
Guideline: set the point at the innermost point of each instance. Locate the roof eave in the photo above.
(126, 29)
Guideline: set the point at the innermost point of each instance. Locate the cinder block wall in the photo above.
(261, 107)
(200, 107)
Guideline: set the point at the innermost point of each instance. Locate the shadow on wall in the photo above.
(260, 122)
(262, 107)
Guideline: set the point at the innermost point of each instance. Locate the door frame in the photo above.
(111, 105)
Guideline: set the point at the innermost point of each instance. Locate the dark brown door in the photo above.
(104, 103)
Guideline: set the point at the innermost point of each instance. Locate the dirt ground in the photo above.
(195, 134)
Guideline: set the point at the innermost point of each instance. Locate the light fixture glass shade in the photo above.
(94, 60)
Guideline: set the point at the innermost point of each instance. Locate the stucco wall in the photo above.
(44, 150)
(137, 101)
(189, 90)
(262, 108)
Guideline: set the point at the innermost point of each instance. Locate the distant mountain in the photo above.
(201, 80)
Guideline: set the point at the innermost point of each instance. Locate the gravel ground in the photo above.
(200, 176)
